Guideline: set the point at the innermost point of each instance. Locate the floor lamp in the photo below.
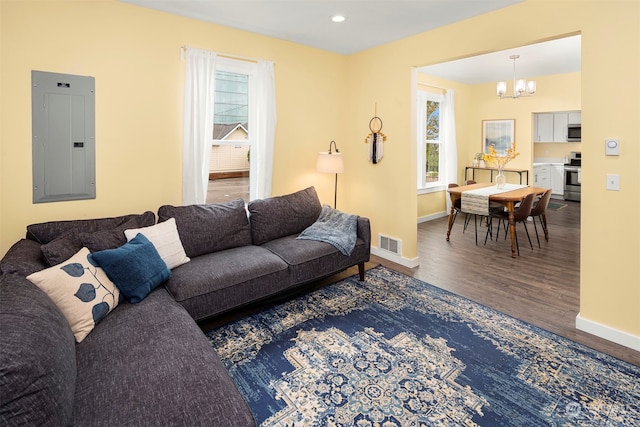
(331, 162)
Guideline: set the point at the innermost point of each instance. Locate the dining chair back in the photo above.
(539, 210)
(519, 215)
(458, 208)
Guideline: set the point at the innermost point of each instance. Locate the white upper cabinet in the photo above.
(575, 117)
(552, 127)
(560, 122)
(543, 127)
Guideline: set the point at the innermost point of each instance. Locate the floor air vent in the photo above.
(390, 244)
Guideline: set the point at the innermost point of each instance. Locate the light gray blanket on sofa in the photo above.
(334, 227)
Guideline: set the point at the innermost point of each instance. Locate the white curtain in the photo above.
(198, 124)
(449, 136)
(261, 169)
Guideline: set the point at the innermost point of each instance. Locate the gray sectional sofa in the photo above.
(148, 363)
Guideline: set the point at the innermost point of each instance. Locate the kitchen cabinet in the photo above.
(560, 122)
(556, 174)
(541, 175)
(575, 117)
(552, 127)
(543, 127)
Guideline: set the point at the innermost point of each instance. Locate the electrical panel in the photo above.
(63, 137)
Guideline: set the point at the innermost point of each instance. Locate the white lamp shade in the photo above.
(531, 87)
(502, 88)
(330, 162)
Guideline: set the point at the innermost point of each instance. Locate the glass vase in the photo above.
(501, 180)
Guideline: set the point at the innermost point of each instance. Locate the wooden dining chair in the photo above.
(520, 215)
(467, 216)
(539, 210)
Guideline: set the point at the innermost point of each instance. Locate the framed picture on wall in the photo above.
(499, 133)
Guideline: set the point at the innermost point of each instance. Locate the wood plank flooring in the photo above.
(540, 287)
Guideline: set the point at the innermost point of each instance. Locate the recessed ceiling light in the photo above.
(338, 18)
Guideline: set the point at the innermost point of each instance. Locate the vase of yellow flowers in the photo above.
(499, 161)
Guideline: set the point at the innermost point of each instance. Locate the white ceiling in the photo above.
(541, 59)
(371, 23)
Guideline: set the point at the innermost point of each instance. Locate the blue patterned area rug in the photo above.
(395, 351)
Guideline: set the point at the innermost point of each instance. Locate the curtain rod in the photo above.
(224, 55)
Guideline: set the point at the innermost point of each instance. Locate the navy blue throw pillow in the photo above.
(135, 267)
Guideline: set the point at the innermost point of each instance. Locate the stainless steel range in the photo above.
(573, 177)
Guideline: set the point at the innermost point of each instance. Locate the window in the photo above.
(431, 145)
(229, 172)
(246, 96)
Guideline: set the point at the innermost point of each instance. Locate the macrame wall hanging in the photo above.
(375, 139)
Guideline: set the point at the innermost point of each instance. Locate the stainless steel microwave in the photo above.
(574, 132)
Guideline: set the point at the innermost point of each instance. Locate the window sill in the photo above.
(431, 189)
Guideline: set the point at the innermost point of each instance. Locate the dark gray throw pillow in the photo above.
(95, 234)
(62, 247)
(282, 216)
(205, 229)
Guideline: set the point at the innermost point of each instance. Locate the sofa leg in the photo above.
(361, 271)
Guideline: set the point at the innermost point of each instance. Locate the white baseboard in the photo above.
(610, 334)
(406, 262)
(432, 216)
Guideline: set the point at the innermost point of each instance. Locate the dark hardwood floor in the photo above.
(540, 287)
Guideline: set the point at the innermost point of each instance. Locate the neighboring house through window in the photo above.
(229, 169)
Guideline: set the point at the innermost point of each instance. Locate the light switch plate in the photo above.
(613, 181)
(612, 147)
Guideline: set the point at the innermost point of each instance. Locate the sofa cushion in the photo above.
(135, 267)
(281, 216)
(166, 239)
(311, 260)
(209, 228)
(37, 357)
(148, 364)
(213, 283)
(45, 232)
(82, 291)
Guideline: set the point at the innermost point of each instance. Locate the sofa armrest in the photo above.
(23, 258)
(364, 231)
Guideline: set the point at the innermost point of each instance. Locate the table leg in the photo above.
(512, 228)
(451, 215)
(544, 222)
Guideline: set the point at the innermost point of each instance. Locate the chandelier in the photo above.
(520, 87)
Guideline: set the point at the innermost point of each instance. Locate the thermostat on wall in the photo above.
(612, 147)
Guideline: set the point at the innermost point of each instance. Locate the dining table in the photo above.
(509, 199)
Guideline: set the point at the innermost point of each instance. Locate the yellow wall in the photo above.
(610, 294)
(134, 54)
